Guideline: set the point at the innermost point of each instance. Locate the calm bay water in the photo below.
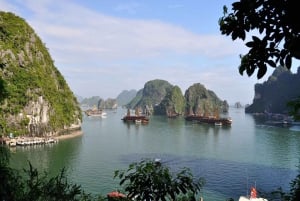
(229, 158)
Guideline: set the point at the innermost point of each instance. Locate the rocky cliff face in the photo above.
(201, 101)
(35, 98)
(151, 95)
(274, 94)
(173, 103)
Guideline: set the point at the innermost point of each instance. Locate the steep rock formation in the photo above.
(159, 97)
(173, 103)
(274, 94)
(35, 98)
(153, 93)
(201, 101)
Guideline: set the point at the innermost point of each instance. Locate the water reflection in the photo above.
(50, 158)
(225, 156)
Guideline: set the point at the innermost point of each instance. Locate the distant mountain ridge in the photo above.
(126, 96)
(96, 102)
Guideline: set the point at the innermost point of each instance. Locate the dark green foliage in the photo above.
(3, 90)
(151, 180)
(35, 186)
(27, 72)
(294, 108)
(295, 188)
(278, 33)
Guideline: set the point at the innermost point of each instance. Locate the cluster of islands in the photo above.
(36, 101)
(159, 97)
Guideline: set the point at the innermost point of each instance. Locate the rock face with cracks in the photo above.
(35, 99)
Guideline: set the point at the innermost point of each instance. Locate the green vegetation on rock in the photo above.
(159, 97)
(33, 91)
(201, 101)
(151, 95)
(173, 103)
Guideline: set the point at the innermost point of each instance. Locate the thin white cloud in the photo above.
(130, 7)
(83, 31)
(96, 50)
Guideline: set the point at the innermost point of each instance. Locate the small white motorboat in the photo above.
(253, 196)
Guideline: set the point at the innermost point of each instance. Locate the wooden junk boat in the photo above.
(216, 120)
(135, 118)
(95, 112)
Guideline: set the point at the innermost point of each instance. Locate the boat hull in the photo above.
(209, 120)
(142, 119)
(243, 198)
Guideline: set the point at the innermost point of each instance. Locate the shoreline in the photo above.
(26, 140)
(72, 134)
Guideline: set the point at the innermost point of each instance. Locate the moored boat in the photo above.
(218, 123)
(209, 119)
(95, 112)
(127, 118)
(138, 121)
(135, 118)
(12, 143)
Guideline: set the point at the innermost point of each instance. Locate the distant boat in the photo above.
(103, 114)
(12, 143)
(209, 120)
(218, 123)
(135, 118)
(138, 121)
(95, 112)
(214, 119)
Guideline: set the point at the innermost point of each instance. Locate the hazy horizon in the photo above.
(104, 47)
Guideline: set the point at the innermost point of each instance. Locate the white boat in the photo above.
(243, 198)
(218, 123)
(12, 143)
(103, 114)
(252, 197)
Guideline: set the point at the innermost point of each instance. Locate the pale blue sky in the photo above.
(105, 47)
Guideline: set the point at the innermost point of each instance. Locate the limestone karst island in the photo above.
(35, 100)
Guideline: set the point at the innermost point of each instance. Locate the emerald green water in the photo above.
(229, 158)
